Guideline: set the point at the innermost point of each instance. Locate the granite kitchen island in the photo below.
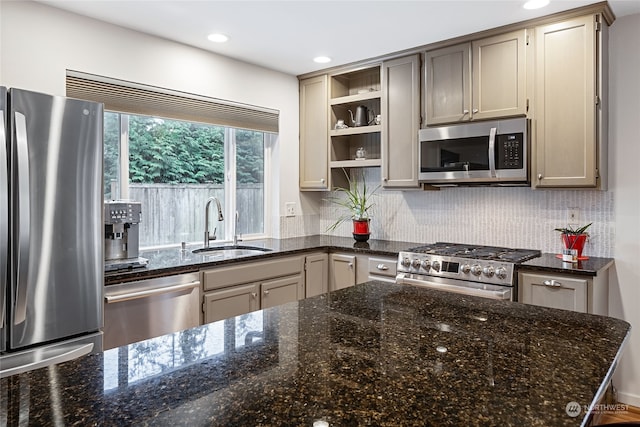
(374, 354)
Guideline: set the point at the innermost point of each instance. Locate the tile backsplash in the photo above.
(502, 216)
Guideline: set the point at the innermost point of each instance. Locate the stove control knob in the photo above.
(435, 265)
(488, 271)
(476, 270)
(406, 262)
(426, 264)
(501, 273)
(415, 263)
(466, 268)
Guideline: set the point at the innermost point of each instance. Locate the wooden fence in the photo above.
(175, 213)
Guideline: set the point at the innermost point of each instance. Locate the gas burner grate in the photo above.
(478, 252)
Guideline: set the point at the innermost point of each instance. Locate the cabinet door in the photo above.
(342, 271)
(566, 104)
(448, 91)
(401, 121)
(281, 291)
(314, 136)
(499, 80)
(562, 292)
(230, 302)
(316, 273)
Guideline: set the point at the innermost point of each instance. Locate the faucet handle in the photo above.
(215, 229)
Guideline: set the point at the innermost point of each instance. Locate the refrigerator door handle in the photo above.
(4, 218)
(23, 217)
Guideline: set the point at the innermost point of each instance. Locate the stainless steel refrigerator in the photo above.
(51, 247)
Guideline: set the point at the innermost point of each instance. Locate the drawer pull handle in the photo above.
(382, 267)
(266, 292)
(254, 295)
(552, 283)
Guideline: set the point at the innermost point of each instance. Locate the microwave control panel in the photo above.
(510, 151)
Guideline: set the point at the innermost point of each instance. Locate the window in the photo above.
(173, 150)
(173, 167)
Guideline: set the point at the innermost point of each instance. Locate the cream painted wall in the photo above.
(39, 43)
(624, 152)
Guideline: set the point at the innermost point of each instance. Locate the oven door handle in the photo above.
(460, 289)
(492, 152)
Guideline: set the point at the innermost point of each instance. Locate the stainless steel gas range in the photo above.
(485, 271)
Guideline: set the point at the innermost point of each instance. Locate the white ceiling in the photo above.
(286, 35)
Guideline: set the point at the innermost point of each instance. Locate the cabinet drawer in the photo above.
(382, 267)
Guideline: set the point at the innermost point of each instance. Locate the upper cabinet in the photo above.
(314, 125)
(570, 126)
(401, 121)
(482, 79)
(448, 88)
(552, 70)
(499, 76)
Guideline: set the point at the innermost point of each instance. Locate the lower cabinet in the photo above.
(316, 274)
(230, 302)
(342, 271)
(565, 291)
(242, 288)
(281, 291)
(245, 287)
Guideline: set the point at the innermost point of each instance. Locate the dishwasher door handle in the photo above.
(111, 299)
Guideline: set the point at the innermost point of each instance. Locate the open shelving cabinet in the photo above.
(348, 91)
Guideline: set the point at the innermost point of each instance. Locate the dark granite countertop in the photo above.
(374, 354)
(550, 263)
(163, 262)
(174, 261)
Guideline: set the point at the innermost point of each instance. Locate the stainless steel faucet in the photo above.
(207, 236)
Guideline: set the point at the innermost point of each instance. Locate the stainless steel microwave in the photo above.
(492, 152)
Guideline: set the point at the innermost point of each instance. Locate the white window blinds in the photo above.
(134, 98)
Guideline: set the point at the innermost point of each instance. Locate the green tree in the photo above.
(250, 156)
(169, 151)
(178, 152)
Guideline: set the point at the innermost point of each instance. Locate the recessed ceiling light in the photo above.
(321, 59)
(535, 4)
(218, 38)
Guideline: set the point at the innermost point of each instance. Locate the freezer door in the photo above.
(4, 218)
(56, 222)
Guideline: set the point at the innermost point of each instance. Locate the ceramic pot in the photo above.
(574, 241)
(361, 230)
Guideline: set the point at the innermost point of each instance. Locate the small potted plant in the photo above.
(357, 199)
(574, 238)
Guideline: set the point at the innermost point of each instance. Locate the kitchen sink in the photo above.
(231, 251)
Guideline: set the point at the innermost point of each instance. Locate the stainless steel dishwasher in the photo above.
(144, 309)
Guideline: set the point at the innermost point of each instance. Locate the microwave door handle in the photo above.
(4, 217)
(492, 152)
(23, 217)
